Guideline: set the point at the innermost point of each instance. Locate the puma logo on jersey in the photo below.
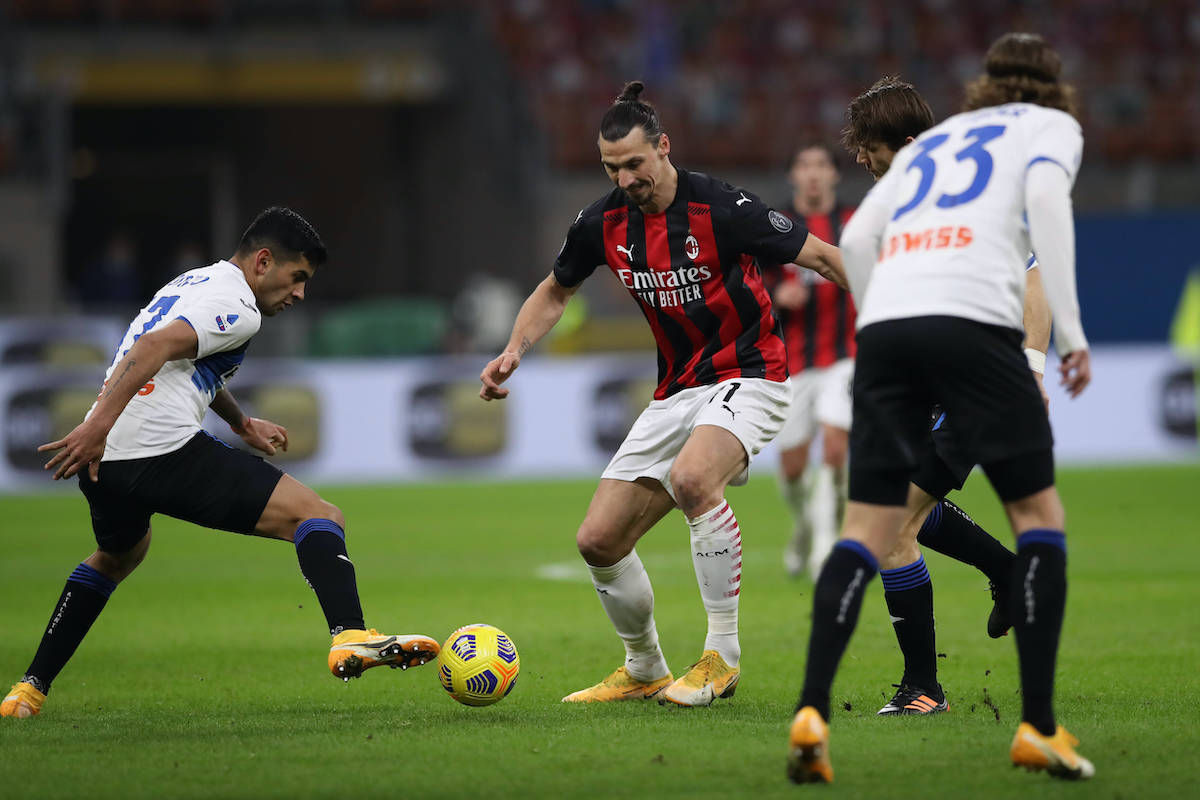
(628, 253)
(732, 413)
(741, 199)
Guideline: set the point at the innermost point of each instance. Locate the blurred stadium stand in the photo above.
(432, 141)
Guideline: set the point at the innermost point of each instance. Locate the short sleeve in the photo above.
(221, 321)
(761, 231)
(580, 253)
(1057, 139)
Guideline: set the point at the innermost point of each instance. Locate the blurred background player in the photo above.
(684, 245)
(940, 322)
(883, 119)
(141, 451)
(818, 327)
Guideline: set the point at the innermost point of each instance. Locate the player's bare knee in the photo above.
(118, 566)
(598, 546)
(1041, 510)
(793, 462)
(834, 451)
(331, 512)
(905, 550)
(695, 491)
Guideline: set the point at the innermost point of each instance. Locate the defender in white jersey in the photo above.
(936, 253)
(141, 451)
(880, 122)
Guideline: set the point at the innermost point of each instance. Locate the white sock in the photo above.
(823, 514)
(717, 557)
(795, 495)
(628, 599)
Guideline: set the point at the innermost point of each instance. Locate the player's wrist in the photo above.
(1036, 359)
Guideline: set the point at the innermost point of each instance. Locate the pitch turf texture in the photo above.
(205, 677)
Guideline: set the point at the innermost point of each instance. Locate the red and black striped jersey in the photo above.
(822, 330)
(693, 273)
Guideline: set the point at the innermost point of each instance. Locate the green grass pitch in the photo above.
(205, 677)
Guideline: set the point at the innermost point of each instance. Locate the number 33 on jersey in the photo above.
(956, 239)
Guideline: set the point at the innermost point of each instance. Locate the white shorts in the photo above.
(752, 409)
(820, 396)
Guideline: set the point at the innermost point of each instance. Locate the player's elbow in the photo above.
(175, 341)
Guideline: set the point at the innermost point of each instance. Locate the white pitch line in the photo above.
(571, 571)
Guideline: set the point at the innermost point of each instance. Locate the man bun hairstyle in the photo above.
(1021, 68)
(627, 112)
(887, 113)
(286, 234)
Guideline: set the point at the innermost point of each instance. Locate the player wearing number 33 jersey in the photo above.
(955, 239)
(936, 256)
(219, 305)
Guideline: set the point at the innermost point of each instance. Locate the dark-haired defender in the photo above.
(880, 121)
(684, 245)
(140, 451)
(936, 254)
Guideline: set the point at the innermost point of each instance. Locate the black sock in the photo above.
(950, 531)
(321, 550)
(909, 595)
(82, 600)
(836, 603)
(1039, 582)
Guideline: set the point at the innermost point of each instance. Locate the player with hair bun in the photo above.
(685, 246)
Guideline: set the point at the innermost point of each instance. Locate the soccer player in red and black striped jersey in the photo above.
(818, 327)
(685, 246)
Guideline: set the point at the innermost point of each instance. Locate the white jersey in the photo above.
(954, 236)
(165, 413)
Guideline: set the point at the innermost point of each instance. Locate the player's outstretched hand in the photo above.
(264, 435)
(1076, 370)
(495, 373)
(80, 448)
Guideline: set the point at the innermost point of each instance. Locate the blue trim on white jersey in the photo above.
(210, 371)
(1049, 159)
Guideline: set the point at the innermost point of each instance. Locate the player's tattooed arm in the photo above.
(540, 312)
(133, 374)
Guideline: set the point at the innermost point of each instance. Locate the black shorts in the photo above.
(942, 467)
(206, 482)
(981, 379)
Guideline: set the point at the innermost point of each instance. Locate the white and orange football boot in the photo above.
(354, 651)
